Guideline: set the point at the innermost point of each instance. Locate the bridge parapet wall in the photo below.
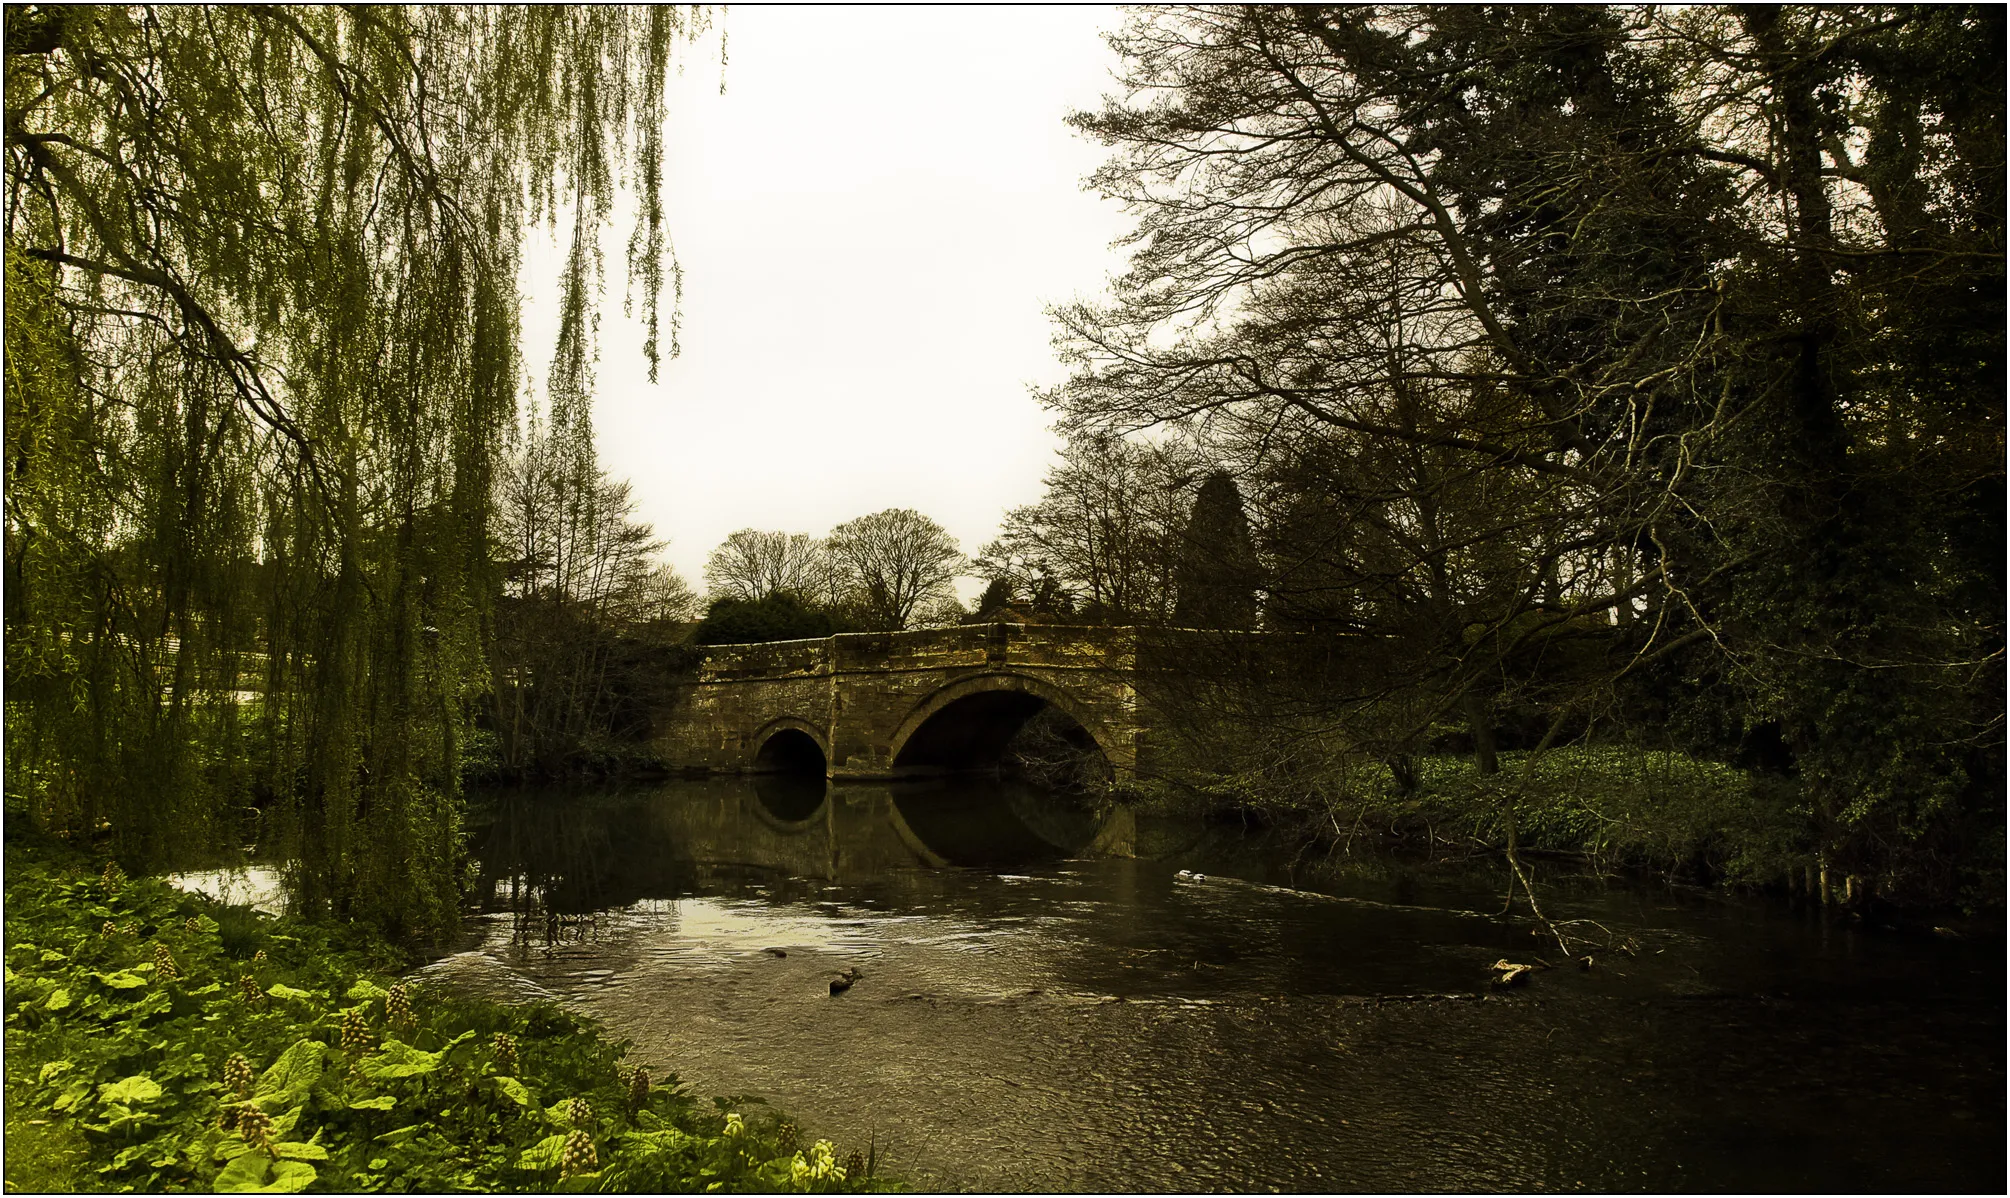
(775, 659)
(1057, 645)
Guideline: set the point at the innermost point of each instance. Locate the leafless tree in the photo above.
(578, 576)
(944, 611)
(894, 562)
(665, 596)
(752, 564)
(1106, 533)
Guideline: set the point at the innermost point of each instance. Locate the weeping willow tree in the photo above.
(262, 349)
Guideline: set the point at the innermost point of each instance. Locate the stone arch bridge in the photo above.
(887, 705)
(881, 705)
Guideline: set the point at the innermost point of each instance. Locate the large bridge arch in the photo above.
(967, 723)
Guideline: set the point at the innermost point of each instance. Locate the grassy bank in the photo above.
(1615, 807)
(160, 1041)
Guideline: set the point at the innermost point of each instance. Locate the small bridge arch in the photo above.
(790, 745)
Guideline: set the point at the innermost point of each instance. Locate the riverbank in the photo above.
(1607, 802)
(157, 1040)
(1615, 808)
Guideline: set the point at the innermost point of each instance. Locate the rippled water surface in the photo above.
(1040, 1012)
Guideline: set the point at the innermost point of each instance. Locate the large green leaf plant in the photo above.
(277, 1059)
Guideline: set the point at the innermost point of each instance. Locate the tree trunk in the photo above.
(1480, 721)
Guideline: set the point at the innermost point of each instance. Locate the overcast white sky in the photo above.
(871, 220)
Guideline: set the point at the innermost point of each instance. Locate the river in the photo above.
(1040, 1011)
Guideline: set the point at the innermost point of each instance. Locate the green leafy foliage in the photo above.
(1622, 806)
(119, 1084)
(257, 1173)
(138, 1088)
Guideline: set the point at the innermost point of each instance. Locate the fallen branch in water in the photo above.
(1614, 942)
(1514, 863)
(1513, 837)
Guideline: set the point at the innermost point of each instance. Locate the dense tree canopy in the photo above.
(262, 352)
(1526, 322)
(776, 616)
(1216, 576)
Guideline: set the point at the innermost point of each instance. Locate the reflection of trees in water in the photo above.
(547, 929)
(554, 857)
(553, 861)
(534, 921)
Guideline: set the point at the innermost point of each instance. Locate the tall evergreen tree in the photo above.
(1216, 580)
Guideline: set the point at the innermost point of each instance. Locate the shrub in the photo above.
(778, 617)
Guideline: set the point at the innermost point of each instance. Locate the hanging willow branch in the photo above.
(262, 351)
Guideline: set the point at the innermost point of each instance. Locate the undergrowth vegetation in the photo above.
(157, 1040)
(1615, 806)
